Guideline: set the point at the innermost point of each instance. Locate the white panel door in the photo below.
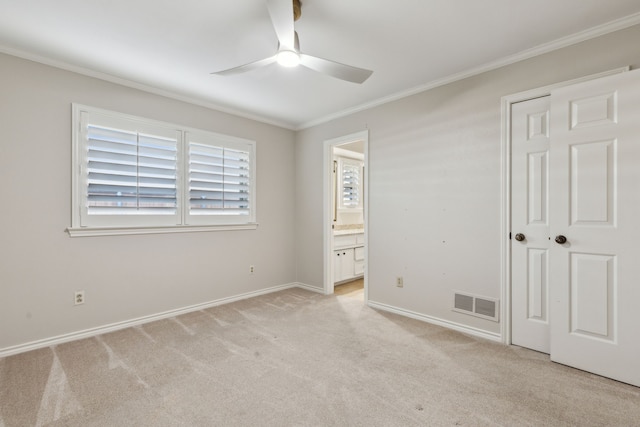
(530, 224)
(595, 205)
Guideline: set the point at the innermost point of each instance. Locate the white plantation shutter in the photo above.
(130, 173)
(351, 177)
(220, 179)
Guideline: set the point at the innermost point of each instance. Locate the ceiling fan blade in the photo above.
(281, 12)
(335, 69)
(247, 67)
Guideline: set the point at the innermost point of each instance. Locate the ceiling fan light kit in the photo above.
(288, 58)
(283, 14)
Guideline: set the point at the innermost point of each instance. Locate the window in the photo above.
(134, 175)
(219, 182)
(350, 183)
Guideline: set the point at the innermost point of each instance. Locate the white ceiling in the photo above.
(171, 46)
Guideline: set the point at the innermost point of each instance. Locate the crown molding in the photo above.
(141, 86)
(616, 25)
(600, 30)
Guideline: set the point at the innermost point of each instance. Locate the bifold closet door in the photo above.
(530, 132)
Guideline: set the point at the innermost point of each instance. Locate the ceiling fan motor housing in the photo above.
(297, 9)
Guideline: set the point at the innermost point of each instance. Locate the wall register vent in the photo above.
(487, 308)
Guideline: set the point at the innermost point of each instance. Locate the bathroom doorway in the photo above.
(346, 214)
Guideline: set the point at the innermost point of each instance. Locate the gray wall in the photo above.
(125, 277)
(434, 181)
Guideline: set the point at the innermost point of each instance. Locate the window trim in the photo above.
(221, 223)
(122, 231)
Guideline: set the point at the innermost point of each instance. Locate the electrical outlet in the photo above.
(251, 269)
(79, 298)
(399, 281)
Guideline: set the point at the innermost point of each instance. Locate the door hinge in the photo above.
(509, 235)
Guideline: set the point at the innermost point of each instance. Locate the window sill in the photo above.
(120, 231)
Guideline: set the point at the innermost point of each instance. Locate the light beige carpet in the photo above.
(295, 358)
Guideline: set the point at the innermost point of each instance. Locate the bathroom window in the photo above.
(350, 184)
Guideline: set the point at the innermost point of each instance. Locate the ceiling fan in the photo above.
(283, 14)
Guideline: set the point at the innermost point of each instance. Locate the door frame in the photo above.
(505, 187)
(328, 212)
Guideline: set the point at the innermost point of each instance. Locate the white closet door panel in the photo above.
(530, 217)
(595, 204)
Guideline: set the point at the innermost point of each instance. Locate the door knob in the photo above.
(520, 237)
(560, 239)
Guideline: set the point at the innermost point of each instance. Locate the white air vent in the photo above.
(487, 308)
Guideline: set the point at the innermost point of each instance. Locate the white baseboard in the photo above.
(436, 321)
(310, 288)
(87, 333)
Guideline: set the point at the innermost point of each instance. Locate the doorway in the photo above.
(346, 212)
(572, 209)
